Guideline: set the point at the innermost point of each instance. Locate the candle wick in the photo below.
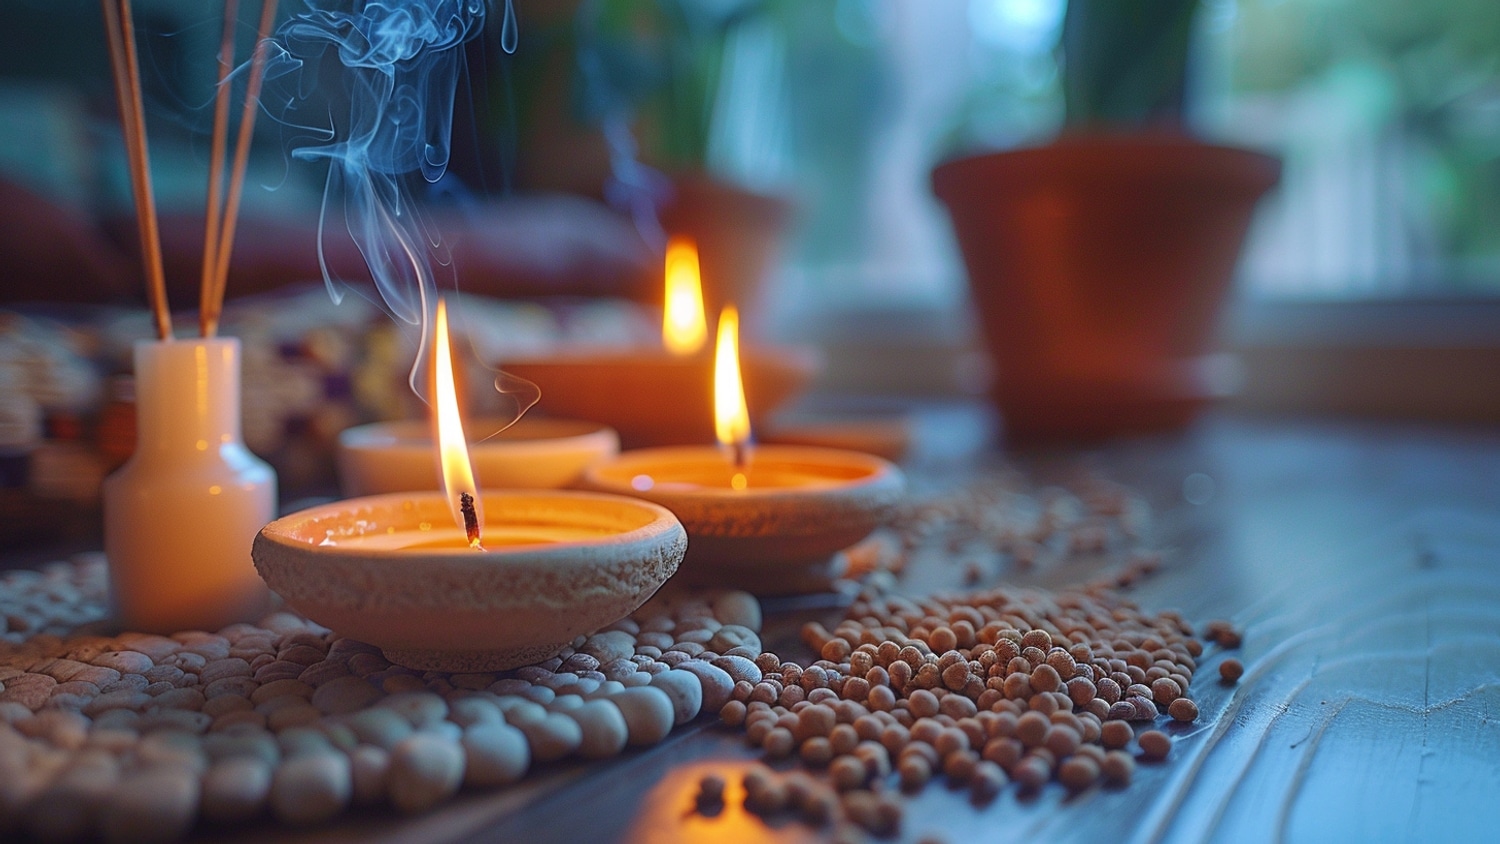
(471, 519)
(737, 451)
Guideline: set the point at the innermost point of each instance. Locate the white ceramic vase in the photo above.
(181, 514)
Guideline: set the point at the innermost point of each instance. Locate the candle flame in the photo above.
(731, 416)
(453, 450)
(683, 328)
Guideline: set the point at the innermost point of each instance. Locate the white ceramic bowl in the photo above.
(462, 610)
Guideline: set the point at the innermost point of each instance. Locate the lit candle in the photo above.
(662, 394)
(683, 328)
(731, 415)
(392, 570)
(453, 448)
(772, 524)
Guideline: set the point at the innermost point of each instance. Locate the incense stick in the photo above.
(120, 29)
(213, 303)
(216, 169)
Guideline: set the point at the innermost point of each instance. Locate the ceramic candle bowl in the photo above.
(393, 571)
(534, 453)
(653, 398)
(777, 535)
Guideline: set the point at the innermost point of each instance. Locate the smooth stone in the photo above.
(495, 754)
(700, 637)
(156, 804)
(319, 673)
(739, 668)
(175, 719)
(685, 691)
(163, 674)
(101, 676)
(235, 789)
(297, 741)
(519, 710)
(472, 682)
(60, 669)
(563, 703)
(417, 708)
(123, 699)
(552, 737)
(190, 699)
(311, 789)
(221, 668)
(648, 714)
(348, 648)
(279, 670)
(112, 741)
(29, 690)
(539, 694)
(369, 768)
(378, 726)
(293, 716)
(718, 686)
(607, 688)
(603, 728)
(639, 678)
(609, 646)
(62, 729)
(365, 664)
(174, 748)
(732, 636)
(671, 659)
(737, 607)
(69, 807)
(654, 639)
(260, 746)
(230, 720)
(466, 712)
(445, 729)
(189, 662)
(344, 695)
(279, 688)
(131, 683)
(509, 686)
(401, 684)
(117, 719)
(225, 704)
(618, 669)
(303, 654)
(425, 770)
(242, 686)
(125, 662)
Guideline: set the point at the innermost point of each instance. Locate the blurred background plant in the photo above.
(1408, 96)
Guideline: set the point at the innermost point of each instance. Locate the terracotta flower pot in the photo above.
(739, 234)
(1098, 265)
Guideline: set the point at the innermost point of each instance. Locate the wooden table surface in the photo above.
(1362, 561)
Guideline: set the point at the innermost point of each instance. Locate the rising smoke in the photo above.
(371, 85)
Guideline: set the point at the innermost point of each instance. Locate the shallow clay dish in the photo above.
(534, 453)
(775, 539)
(461, 610)
(653, 398)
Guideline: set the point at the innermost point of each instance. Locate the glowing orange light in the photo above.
(683, 328)
(731, 416)
(453, 449)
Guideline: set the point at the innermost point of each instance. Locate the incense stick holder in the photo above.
(180, 515)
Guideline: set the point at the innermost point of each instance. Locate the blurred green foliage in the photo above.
(1426, 70)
